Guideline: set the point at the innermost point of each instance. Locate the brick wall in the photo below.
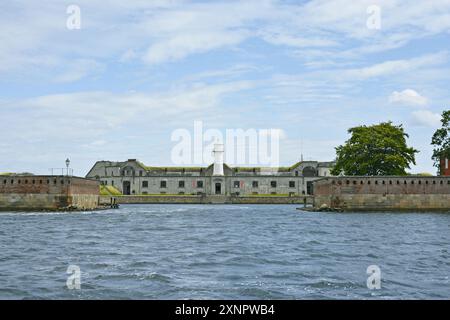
(384, 193)
(445, 167)
(47, 193)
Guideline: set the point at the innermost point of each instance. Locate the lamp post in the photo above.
(67, 165)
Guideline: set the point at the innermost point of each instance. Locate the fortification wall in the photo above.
(48, 193)
(383, 193)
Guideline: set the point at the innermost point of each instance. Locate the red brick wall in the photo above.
(445, 171)
(382, 185)
(48, 185)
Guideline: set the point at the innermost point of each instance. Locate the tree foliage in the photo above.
(441, 140)
(375, 150)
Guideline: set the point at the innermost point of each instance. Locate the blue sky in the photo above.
(137, 70)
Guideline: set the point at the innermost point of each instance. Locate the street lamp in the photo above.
(67, 165)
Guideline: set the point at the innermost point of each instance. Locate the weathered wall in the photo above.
(205, 199)
(376, 202)
(384, 193)
(47, 193)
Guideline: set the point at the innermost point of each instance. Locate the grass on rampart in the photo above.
(109, 191)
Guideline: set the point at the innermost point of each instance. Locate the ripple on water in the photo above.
(222, 252)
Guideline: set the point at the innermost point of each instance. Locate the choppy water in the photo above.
(223, 252)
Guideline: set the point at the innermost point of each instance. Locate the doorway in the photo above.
(309, 188)
(126, 188)
(218, 188)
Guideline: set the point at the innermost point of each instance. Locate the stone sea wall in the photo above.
(205, 199)
(383, 193)
(48, 193)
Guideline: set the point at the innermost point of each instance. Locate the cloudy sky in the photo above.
(137, 70)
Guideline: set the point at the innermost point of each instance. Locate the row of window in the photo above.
(390, 182)
(255, 184)
(19, 181)
(199, 184)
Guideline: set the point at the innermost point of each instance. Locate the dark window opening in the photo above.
(291, 184)
(199, 184)
(144, 184)
(180, 184)
(237, 184)
(273, 184)
(255, 184)
(163, 184)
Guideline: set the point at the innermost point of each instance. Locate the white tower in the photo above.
(218, 159)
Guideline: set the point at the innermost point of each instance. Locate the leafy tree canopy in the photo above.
(441, 140)
(375, 150)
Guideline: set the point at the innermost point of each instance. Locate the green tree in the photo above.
(375, 150)
(441, 140)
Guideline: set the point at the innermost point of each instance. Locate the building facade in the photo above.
(131, 177)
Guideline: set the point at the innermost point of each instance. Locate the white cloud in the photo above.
(426, 118)
(407, 97)
(393, 67)
(79, 69)
(180, 46)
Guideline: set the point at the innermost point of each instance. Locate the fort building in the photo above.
(132, 177)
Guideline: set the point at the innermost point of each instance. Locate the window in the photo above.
(181, 184)
(26, 181)
(200, 184)
(362, 182)
(237, 184)
(4, 181)
(163, 184)
(112, 183)
(255, 184)
(273, 184)
(296, 173)
(34, 181)
(291, 184)
(140, 173)
(144, 184)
